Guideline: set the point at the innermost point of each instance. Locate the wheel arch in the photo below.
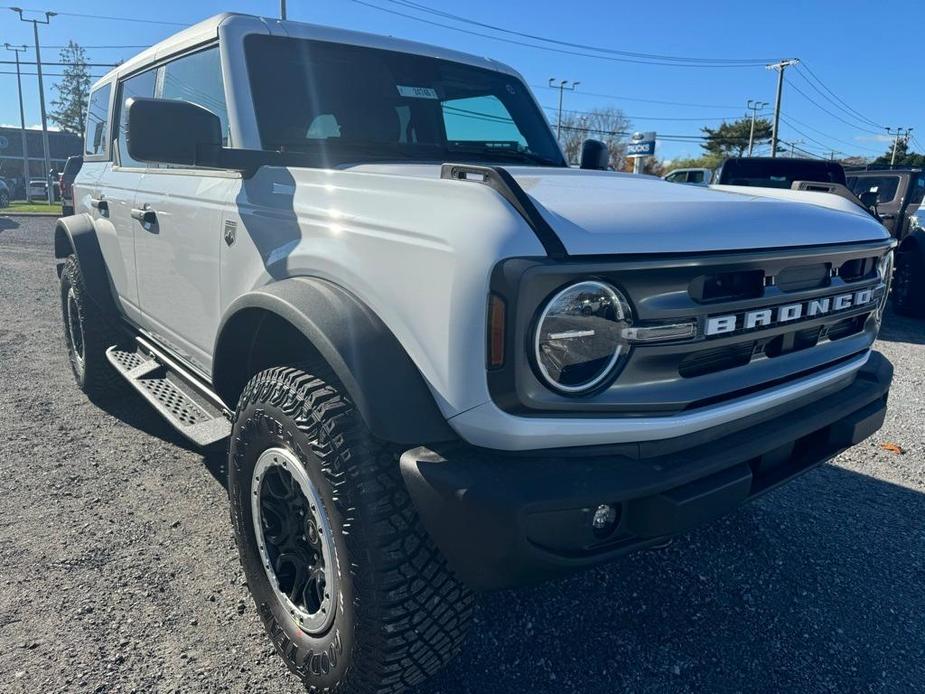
(75, 235)
(305, 318)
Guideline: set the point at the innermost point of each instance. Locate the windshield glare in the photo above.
(350, 104)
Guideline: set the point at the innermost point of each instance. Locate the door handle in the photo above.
(144, 214)
(100, 204)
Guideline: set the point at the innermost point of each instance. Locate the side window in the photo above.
(96, 135)
(139, 85)
(675, 177)
(918, 190)
(197, 78)
(695, 176)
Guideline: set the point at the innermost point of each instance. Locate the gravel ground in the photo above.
(118, 571)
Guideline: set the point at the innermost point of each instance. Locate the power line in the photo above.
(648, 56)
(864, 124)
(45, 62)
(551, 49)
(665, 118)
(618, 97)
(835, 116)
(838, 98)
(824, 134)
(82, 15)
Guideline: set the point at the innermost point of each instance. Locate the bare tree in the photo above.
(609, 125)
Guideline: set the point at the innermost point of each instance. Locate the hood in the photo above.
(599, 212)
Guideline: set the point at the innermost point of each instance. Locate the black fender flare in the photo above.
(76, 235)
(383, 382)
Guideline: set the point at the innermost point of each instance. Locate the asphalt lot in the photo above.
(118, 570)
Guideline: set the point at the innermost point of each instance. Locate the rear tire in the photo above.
(909, 283)
(399, 614)
(88, 334)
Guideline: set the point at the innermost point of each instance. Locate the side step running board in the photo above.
(183, 400)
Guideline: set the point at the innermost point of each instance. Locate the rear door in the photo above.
(178, 240)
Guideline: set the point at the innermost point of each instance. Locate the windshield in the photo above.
(779, 173)
(350, 104)
(884, 186)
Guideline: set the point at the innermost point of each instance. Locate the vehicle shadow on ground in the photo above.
(814, 587)
(133, 410)
(902, 329)
(7, 223)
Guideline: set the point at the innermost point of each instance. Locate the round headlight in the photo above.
(579, 336)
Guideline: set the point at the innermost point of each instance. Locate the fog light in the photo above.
(604, 518)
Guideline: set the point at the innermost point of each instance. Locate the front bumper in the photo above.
(505, 519)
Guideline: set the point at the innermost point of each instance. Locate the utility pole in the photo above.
(563, 85)
(793, 146)
(282, 9)
(22, 121)
(754, 107)
(832, 153)
(896, 137)
(780, 67)
(50, 186)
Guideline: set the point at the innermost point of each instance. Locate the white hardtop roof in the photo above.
(208, 30)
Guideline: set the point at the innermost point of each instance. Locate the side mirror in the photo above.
(173, 132)
(594, 155)
(869, 199)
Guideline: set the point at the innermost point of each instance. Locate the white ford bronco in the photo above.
(440, 359)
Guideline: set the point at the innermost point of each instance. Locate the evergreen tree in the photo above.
(731, 139)
(69, 109)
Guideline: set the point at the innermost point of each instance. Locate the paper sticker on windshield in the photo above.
(417, 92)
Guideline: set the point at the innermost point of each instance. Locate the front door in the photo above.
(178, 216)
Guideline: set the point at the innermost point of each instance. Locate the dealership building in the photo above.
(61, 145)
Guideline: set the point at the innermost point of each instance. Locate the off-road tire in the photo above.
(93, 373)
(400, 613)
(909, 283)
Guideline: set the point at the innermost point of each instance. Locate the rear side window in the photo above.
(918, 190)
(695, 176)
(97, 130)
(197, 78)
(138, 86)
(884, 186)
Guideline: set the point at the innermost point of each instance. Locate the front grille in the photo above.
(710, 290)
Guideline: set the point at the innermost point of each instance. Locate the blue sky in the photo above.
(882, 84)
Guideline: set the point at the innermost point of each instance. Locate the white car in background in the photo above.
(697, 177)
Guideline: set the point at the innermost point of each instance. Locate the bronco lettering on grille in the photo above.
(775, 315)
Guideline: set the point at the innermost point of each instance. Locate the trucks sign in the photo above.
(641, 145)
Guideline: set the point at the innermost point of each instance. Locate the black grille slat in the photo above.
(708, 361)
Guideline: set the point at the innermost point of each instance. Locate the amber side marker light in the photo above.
(496, 311)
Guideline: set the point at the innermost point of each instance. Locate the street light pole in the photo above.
(780, 67)
(50, 188)
(563, 85)
(754, 107)
(282, 9)
(22, 121)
